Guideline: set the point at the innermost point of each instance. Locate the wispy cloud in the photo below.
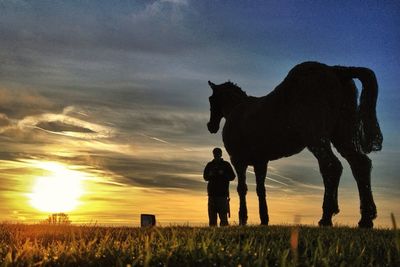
(17, 102)
(4, 122)
(61, 124)
(66, 125)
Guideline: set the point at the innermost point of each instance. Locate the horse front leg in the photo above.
(242, 191)
(260, 170)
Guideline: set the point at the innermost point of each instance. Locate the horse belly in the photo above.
(279, 145)
(255, 143)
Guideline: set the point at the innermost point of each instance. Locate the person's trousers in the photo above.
(218, 206)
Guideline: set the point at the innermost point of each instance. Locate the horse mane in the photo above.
(233, 88)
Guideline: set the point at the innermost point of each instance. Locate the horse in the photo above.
(316, 105)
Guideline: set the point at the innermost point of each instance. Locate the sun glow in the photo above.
(59, 190)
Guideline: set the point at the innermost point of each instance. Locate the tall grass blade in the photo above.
(396, 233)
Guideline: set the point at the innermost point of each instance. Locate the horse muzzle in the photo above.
(212, 128)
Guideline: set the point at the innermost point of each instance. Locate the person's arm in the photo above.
(230, 174)
(206, 173)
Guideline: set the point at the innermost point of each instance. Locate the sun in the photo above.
(59, 191)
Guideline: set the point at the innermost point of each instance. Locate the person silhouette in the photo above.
(218, 173)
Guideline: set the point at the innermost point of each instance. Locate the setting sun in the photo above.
(57, 191)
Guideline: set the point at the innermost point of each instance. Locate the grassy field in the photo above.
(40, 245)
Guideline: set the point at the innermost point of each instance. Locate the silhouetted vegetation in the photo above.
(58, 219)
(39, 245)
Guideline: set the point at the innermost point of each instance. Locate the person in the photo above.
(218, 173)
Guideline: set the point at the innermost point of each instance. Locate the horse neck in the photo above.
(231, 101)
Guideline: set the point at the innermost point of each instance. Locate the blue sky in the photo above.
(119, 89)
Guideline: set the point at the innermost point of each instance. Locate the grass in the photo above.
(41, 245)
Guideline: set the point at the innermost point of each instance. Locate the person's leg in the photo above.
(224, 219)
(212, 212)
(223, 211)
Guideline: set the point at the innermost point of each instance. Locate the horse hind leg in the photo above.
(331, 170)
(260, 170)
(242, 191)
(361, 167)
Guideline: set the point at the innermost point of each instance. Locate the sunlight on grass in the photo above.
(40, 245)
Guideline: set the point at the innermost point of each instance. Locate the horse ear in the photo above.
(212, 85)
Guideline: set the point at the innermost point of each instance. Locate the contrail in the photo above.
(166, 142)
(156, 139)
(160, 140)
(299, 183)
(271, 179)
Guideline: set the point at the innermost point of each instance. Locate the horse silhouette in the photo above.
(314, 106)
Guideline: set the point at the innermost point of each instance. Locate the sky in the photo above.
(105, 104)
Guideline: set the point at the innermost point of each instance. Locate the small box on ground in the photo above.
(147, 220)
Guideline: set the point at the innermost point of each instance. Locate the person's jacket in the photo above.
(218, 173)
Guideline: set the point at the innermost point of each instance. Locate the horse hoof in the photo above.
(367, 224)
(369, 213)
(336, 211)
(325, 223)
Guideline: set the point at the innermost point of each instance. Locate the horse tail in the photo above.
(368, 135)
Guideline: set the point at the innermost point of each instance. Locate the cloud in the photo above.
(23, 112)
(179, 2)
(153, 171)
(59, 126)
(131, 27)
(169, 181)
(19, 102)
(140, 49)
(4, 121)
(66, 125)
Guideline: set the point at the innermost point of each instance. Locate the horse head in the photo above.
(224, 99)
(215, 110)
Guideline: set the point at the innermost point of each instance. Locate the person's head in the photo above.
(217, 152)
